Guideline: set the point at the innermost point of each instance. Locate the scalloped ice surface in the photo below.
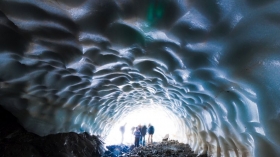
(211, 66)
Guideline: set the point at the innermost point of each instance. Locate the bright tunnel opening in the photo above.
(163, 120)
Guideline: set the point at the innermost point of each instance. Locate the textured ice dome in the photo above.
(211, 67)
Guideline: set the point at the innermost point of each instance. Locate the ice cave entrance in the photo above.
(163, 120)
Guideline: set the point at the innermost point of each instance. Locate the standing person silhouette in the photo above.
(140, 139)
(132, 133)
(122, 129)
(143, 134)
(151, 131)
(137, 135)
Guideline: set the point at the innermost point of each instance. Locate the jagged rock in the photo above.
(15, 141)
(155, 152)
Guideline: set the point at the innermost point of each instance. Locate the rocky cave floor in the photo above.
(15, 141)
(169, 148)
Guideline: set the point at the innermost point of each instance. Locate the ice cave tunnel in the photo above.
(205, 71)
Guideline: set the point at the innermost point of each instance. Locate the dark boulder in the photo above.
(15, 141)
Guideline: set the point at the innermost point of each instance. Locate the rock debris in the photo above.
(170, 148)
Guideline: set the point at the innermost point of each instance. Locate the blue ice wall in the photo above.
(73, 65)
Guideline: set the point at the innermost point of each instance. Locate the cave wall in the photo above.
(70, 65)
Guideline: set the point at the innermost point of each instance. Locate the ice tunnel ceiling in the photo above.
(68, 65)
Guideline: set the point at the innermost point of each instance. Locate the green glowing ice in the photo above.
(155, 12)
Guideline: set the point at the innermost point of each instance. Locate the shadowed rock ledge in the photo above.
(15, 141)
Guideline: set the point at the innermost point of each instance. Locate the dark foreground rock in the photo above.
(15, 141)
(117, 150)
(170, 148)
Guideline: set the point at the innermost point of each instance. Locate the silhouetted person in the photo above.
(122, 129)
(137, 135)
(143, 134)
(133, 129)
(151, 131)
(132, 133)
(140, 139)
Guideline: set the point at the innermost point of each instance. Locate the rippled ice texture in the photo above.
(80, 65)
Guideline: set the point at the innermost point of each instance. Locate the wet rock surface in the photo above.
(15, 141)
(170, 148)
(117, 150)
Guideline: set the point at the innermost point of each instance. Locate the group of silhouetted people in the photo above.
(140, 133)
